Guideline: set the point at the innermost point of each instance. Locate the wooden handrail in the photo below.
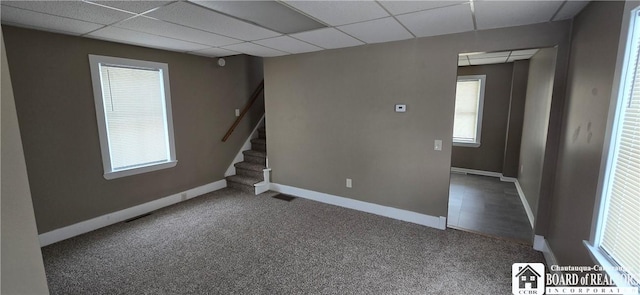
(253, 99)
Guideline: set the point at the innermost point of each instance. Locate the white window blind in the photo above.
(133, 108)
(620, 237)
(468, 110)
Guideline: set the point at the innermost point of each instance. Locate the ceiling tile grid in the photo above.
(288, 44)
(161, 28)
(78, 10)
(328, 38)
(275, 28)
(377, 31)
(190, 15)
(446, 20)
(41, 21)
(336, 13)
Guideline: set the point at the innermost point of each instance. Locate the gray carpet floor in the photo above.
(228, 242)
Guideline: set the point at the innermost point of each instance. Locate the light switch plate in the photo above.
(349, 182)
(401, 108)
(437, 145)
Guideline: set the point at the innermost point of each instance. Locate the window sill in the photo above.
(139, 170)
(466, 144)
(607, 266)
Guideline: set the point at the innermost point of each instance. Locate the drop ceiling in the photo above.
(275, 28)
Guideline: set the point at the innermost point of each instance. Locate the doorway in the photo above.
(502, 110)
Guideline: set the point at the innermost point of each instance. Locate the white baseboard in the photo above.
(524, 201)
(231, 170)
(395, 213)
(542, 245)
(476, 172)
(79, 228)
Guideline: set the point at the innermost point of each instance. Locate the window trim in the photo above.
(629, 36)
(95, 61)
(483, 82)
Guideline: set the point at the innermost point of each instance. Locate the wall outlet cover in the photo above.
(401, 108)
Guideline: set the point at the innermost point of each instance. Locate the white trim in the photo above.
(476, 172)
(525, 203)
(395, 213)
(95, 63)
(264, 185)
(82, 227)
(541, 244)
(523, 199)
(609, 268)
(231, 170)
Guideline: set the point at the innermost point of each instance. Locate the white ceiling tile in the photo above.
(157, 27)
(528, 52)
(144, 39)
(214, 52)
(30, 19)
(338, 13)
(288, 44)
(328, 38)
(376, 31)
(498, 14)
(133, 6)
(440, 21)
(254, 49)
(570, 9)
(73, 9)
(401, 7)
(194, 16)
(272, 15)
(485, 61)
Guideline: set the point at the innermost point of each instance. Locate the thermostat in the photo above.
(401, 108)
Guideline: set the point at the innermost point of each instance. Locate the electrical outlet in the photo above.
(521, 168)
(237, 112)
(183, 197)
(349, 184)
(437, 145)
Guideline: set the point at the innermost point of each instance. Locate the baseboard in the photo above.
(79, 228)
(476, 172)
(541, 244)
(395, 213)
(525, 203)
(231, 170)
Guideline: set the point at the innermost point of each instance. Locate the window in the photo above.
(467, 121)
(615, 239)
(133, 109)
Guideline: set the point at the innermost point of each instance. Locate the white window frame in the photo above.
(623, 77)
(483, 80)
(95, 62)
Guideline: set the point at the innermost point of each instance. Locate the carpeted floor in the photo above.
(228, 242)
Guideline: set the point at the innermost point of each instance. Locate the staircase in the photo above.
(250, 173)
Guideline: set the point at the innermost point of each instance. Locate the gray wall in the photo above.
(489, 156)
(22, 267)
(330, 114)
(594, 51)
(536, 123)
(55, 105)
(516, 118)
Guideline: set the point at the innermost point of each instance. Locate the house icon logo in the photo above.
(527, 278)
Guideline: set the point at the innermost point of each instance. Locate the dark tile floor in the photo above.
(488, 206)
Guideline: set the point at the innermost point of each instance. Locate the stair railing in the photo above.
(253, 99)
